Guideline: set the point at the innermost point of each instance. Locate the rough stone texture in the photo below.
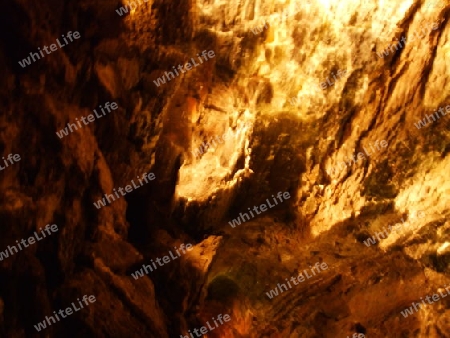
(246, 90)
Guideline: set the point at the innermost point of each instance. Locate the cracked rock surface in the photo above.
(346, 147)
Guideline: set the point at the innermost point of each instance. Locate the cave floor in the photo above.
(362, 286)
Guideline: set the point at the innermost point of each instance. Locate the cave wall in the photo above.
(282, 147)
(90, 254)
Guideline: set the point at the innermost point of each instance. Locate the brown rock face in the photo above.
(225, 169)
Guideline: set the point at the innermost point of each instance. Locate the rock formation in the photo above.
(323, 103)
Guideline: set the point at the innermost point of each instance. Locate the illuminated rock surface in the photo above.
(273, 146)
